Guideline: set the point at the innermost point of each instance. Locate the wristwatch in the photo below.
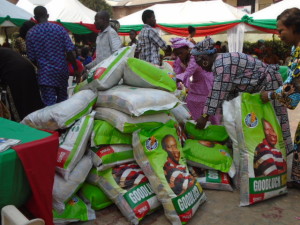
(204, 115)
(271, 95)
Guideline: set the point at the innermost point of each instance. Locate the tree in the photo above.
(98, 5)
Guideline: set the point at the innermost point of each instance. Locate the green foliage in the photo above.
(98, 5)
(278, 47)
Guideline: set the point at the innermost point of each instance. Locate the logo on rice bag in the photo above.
(172, 75)
(62, 156)
(75, 128)
(223, 152)
(251, 120)
(107, 150)
(151, 143)
(99, 72)
(73, 200)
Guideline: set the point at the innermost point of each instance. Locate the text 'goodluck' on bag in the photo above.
(260, 149)
(159, 154)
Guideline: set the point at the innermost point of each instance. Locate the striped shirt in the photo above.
(178, 175)
(268, 161)
(129, 175)
(149, 43)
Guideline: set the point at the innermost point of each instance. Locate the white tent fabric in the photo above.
(187, 13)
(13, 11)
(272, 11)
(71, 11)
(194, 13)
(26, 5)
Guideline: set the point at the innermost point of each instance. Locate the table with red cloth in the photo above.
(28, 165)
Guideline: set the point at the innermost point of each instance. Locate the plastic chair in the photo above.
(10, 215)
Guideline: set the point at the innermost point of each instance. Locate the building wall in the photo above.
(13, 1)
(231, 2)
(264, 3)
(120, 12)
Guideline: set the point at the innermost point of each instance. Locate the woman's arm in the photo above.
(289, 93)
(188, 72)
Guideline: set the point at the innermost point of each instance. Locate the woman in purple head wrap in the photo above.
(186, 68)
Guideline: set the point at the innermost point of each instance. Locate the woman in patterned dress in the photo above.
(236, 72)
(288, 26)
(185, 68)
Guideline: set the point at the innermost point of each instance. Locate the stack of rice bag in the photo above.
(132, 149)
(75, 121)
(140, 101)
(209, 158)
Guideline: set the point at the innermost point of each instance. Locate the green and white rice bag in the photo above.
(62, 115)
(212, 179)
(75, 210)
(129, 124)
(128, 187)
(210, 133)
(159, 154)
(209, 155)
(181, 114)
(229, 115)
(107, 73)
(139, 73)
(105, 134)
(263, 169)
(64, 189)
(73, 145)
(167, 66)
(136, 101)
(109, 156)
(93, 195)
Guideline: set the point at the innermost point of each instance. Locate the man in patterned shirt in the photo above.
(236, 72)
(149, 40)
(48, 47)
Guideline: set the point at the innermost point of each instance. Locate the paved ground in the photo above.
(222, 208)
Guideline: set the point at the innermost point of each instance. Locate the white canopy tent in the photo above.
(26, 5)
(272, 11)
(191, 13)
(71, 11)
(187, 13)
(13, 11)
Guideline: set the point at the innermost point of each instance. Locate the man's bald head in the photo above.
(102, 20)
(40, 13)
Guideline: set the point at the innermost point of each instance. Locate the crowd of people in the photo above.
(44, 54)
